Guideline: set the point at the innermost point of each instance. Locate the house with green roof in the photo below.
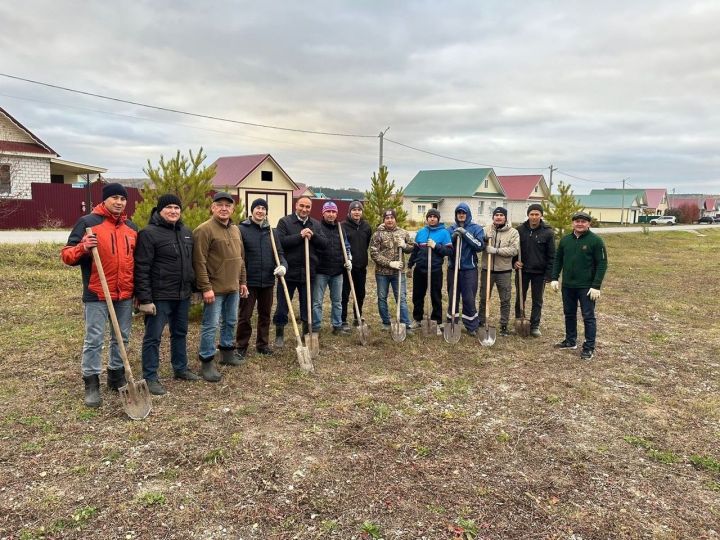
(614, 205)
(445, 189)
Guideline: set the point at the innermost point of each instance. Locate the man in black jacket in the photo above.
(164, 279)
(537, 249)
(261, 276)
(292, 231)
(358, 234)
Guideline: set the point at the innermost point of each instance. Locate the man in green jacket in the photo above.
(582, 259)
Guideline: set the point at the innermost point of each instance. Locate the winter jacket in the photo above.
(331, 261)
(537, 249)
(358, 235)
(582, 261)
(384, 248)
(163, 261)
(443, 247)
(218, 257)
(116, 245)
(473, 241)
(288, 229)
(259, 258)
(507, 241)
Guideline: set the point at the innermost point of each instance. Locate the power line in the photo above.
(589, 180)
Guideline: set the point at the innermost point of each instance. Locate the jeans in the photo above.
(383, 286)
(359, 276)
(467, 291)
(281, 311)
(419, 291)
(263, 296)
(335, 283)
(96, 319)
(175, 314)
(503, 282)
(571, 298)
(223, 311)
(536, 283)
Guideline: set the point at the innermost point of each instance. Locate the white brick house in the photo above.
(25, 159)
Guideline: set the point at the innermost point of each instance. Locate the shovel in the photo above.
(303, 354)
(134, 396)
(428, 326)
(363, 330)
(311, 338)
(398, 329)
(487, 335)
(451, 332)
(522, 325)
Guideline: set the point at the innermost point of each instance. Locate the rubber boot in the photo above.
(227, 357)
(208, 370)
(92, 391)
(305, 328)
(279, 337)
(116, 379)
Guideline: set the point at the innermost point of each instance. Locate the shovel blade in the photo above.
(312, 342)
(399, 331)
(304, 358)
(522, 327)
(487, 336)
(451, 332)
(136, 400)
(428, 327)
(363, 333)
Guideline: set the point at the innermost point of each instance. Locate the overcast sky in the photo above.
(602, 90)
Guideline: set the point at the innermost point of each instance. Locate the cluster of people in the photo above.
(235, 269)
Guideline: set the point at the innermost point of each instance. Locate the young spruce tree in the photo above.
(383, 196)
(558, 209)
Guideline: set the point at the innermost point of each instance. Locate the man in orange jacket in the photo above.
(114, 235)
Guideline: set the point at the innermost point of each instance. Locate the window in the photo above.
(481, 208)
(266, 176)
(57, 178)
(487, 183)
(421, 209)
(536, 189)
(5, 178)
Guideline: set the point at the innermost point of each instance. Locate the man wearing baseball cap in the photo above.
(537, 254)
(582, 259)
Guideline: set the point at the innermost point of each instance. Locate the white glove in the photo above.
(396, 265)
(555, 285)
(279, 271)
(402, 244)
(431, 243)
(491, 250)
(348, 265)
(594, 294)
(150, 309)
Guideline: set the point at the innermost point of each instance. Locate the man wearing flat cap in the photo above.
(164, 280)
(219, 264)
(582, 259)
(262, 273)
(537, 254)
(114, 236)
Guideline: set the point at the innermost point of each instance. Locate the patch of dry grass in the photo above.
(413, 440)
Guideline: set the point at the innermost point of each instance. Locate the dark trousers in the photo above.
(503, 282)
(263, 296)
(571, 299)
(175, 314)
(359, 275)
(281, 311)
(467, 290)
(418, 294)
(536, 284)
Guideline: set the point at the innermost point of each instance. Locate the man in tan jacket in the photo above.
(503, 243)
(219, 264)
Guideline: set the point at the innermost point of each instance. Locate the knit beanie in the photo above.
(389, 213)
(329, 206)
(354, 205)
(110, 190)
(167, 199)
(500, 210)
(433, 212)
(535, 206)
(258, 202)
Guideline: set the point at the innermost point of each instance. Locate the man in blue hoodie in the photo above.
(472, 242)
(433, 236)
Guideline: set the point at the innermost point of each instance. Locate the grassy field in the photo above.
(413, 440)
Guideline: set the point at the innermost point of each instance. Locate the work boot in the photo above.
(240, 355)
(116, 379)
(566, 344)
(227, 357)
(504, 330)
(265, 351)
(208, 370)
(535, 332)
(92, 391)
(346, 327)
(279, 337)
(305, 328)
(156, 388)
(187, 375)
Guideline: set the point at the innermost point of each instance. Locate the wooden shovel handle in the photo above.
(458, 246)
(308, 293)
(284, 285)
(487, 288)
(349, 275)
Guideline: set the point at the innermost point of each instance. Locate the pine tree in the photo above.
(558, 209)
(187, 178)
(383, 196)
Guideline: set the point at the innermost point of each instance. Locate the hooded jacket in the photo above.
(116, 245)
(332, 261)
(358, 235)
(507, 242)
(384, 248)
(259, 257)
(473, 241)
(163, 261)
(443, 247)
(537, 249)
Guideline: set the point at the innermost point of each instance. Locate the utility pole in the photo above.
(622, 204)
(382, 135)
(550, 180)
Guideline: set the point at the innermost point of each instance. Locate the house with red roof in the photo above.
(657, 201)
(25, 159)
(303, 191)
(256, 176)
(521, 191)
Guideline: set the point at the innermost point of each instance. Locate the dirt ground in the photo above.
(397, 441)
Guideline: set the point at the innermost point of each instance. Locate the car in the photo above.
(663, 220)
(707, 219)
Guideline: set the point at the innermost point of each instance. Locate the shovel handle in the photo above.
(284, 285)
(487, 289)
(349, 275)
(111, 311)
(520, 284)
(399, 289)
(458, 246)
(307, 282)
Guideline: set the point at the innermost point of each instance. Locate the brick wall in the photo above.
(10, 132)
(25, 171)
